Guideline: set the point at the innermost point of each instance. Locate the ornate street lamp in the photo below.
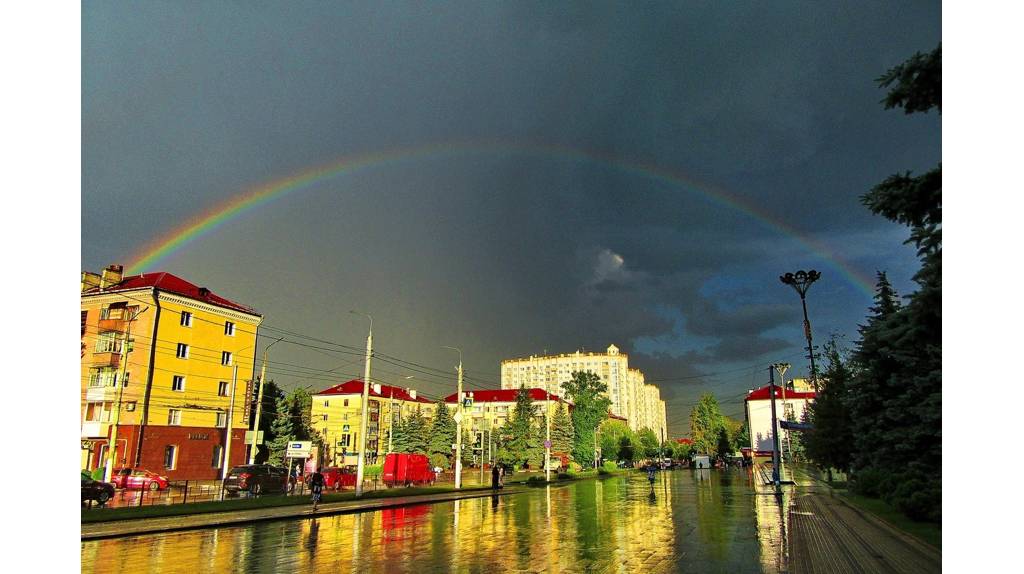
(801, 282)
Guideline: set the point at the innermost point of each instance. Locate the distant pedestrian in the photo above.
(316, 486)
(650, 475)
(495, 477)
(501, 476)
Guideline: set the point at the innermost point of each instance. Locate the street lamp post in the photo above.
(364, 408)
(801, 282)
(458, 423)
(776, 458)
(259, 404)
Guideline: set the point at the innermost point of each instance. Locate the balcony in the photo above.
(103, 359)
(95, 429)
(112, 325)
(101, 394)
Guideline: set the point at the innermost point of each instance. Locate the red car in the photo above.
(337, 477)
(139, 479)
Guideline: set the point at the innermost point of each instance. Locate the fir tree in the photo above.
(900, 352)
(442, 436)
(830, 443)
(561, 431)
(518, 429)
(281, 430)
(411, 434)
(627, 450)
(723, 447)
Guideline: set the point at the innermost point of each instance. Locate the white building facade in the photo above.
(639, 403)
(759, 415)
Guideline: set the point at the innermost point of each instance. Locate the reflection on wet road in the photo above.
(706, 521)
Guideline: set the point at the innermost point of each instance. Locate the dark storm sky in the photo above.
(185, 105)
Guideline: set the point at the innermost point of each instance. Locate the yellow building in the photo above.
(337, 411)
(169, 394)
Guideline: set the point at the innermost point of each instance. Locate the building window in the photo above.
(327, 403)
(225, 358)
(186, 319)
(222, 420)
(222, 389)
(218, 455)
(346, 441)
(178, 383)
(182, 352)
(170, 456)
(346, 403)
(85, 319)
(174, 417)
(229, 328)
(108, 342)
(325, 417)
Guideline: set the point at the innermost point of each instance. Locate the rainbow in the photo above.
(205, 223)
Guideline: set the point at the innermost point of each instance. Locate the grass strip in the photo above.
(927, 532)
(267, 501)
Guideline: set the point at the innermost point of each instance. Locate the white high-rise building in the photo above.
(639, 403)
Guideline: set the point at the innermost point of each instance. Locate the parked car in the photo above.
(337, 477)
(256, 479)
(101, 492)
(139, 479)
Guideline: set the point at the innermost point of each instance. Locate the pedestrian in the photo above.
(316, 486)
(293, 477)
(501, 476)
(495, 477)
(650, 475)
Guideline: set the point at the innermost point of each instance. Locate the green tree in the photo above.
(723, 447)
(588, 394)
(705, 422)
(442, 436)
(830, 443)
(609, 438)
(627, 449)
(281, 430)
(741, 438)
(411, 434)
(535, 446)
(518, 430)
(668, 449)
(271, 394)
(648, 442)
(900, 353)
(561, 431)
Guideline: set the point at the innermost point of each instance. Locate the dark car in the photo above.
(101, 492)
(256, 479)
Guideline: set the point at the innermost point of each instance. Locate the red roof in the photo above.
(355, 387)
(503, 395)
(172, 284)
(762, 394)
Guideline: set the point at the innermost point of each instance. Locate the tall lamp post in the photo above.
(801, 282)
(458, 423)
(364, 408)
(259, 405)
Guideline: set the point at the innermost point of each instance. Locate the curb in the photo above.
(123, 528)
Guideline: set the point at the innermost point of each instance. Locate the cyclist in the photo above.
(316, 485)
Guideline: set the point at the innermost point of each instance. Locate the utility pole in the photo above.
(801, 281)
(782, 368)
(259, 404)
(776, 459)
(231, 412)
(547, 440)
(458, 424)
(112, 444)
(365, 407)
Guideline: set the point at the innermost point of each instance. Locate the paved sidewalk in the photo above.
(118, 528)
(828, 535)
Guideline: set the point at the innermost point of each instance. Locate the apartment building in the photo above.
(167, 367)
(639, 403)
(336, 413)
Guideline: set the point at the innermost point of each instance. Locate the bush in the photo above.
(535, 479)
(566, 475)
(609, 466)
(603, 471)
(575, 467)
(373, 471)
(868, 482)
(97, 474)
(438, 459)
